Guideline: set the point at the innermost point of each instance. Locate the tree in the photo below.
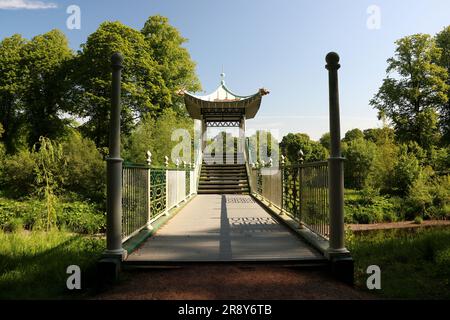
(175, 64)
(44, 59)
(155, 135)
(359, 155)
(412, 98)
(353, 134)
(11, 89)
(143, 88)
(443, 42)
(325, 140)
(292, 143)
(379, 135)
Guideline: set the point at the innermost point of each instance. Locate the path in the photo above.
(223, 228)
(231, 282)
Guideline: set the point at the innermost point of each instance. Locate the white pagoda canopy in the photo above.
(223, 104)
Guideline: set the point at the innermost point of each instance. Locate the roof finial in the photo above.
(222, 76)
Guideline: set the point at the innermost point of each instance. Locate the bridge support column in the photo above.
(341, 261)
(109, 265)
(241, 144)
(203, 137)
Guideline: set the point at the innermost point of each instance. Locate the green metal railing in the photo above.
(300, 191)
(150, 192)
(158, 194)
(135, 199)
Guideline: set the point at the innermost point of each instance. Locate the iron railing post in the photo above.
(336, 162)
(114, 167)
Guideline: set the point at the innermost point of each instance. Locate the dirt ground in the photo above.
(398, 225)
(230, 282)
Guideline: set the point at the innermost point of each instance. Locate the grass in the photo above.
(414, 263)
(33, 264)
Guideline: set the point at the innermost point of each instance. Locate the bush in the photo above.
(428, 197)
(418, 220)
(419, 198)
(13, 225)
(406, 171)
(359, 156)
(18, 174)
(80, 217)
(369, 207)
(85, 170)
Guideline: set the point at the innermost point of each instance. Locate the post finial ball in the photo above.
(332, 60)
(117, 59)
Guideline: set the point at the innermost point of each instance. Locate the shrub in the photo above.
(359, 156)
(85, 170)
(369, 207)
(419, 198)
(405, 172)
(81, 217)
(18, 174)
(75, 216)
(418, 220)
(13, 225)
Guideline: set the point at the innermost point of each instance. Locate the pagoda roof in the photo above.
(223, 101)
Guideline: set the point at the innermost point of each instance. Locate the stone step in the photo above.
(224, 181)
(223, 191)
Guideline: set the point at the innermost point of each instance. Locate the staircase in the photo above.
(223, 178)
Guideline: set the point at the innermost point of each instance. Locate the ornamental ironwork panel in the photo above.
(134, 199)
(157, 191)
(220, 124)
(291, 191)
(188, 182)
(259, 182)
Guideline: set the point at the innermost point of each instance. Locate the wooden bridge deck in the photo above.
(223, 228)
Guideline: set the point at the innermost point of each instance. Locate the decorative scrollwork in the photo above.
(291, 190)
(157, 191)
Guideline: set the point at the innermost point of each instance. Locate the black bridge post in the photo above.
(109, 265)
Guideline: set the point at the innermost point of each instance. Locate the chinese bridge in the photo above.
(226, 206)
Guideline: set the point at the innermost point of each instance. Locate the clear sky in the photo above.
(280, 45)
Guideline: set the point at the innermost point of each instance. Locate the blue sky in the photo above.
(280, 45)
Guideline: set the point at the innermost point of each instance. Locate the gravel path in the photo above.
(398, 225)
(230, 282)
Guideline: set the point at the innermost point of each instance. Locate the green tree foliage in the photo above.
(386, 157)
(174, 61)
(443, 42)
(143, 88)
(406, 171)
(325, 140)
(17, 179)
(379, 135)
(44, 61)
(11, 89)
(353, 134)
(85, 170)
(359, 155)
(49, 161)
(155, 135)
(292, 143)
(414, 90)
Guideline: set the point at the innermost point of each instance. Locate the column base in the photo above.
(342, 268)
(110, 265)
